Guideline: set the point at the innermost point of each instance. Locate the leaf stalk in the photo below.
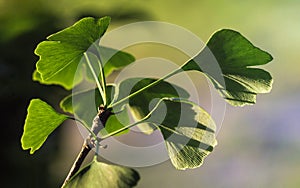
(100, 88)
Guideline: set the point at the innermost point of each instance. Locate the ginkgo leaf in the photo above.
(40, 122)
(114, 60)
(139, 104)
(61, 56)
(98, 174)
(84, 105)
(188, 131)
(233, 74)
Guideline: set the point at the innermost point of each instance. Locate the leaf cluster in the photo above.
(72, 55)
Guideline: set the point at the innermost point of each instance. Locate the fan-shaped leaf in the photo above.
(103, 175)
(114, 60)
(61, 55)
(233, 75)
(188, 130)
(40, 122)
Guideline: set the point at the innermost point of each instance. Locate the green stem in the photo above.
(97, 149)
(179, 69)
(86, 127)
(103, 80)
(120, 130)
(86, 147)
(96, 78)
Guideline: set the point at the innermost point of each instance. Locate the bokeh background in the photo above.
(259, 146)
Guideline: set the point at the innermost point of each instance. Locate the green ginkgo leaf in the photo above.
(188, 130)
(102, 175)
(61, 56)
(40, 122)
(114, 60)
(140, 104)
(233, 74)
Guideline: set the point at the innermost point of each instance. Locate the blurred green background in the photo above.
(259, 146)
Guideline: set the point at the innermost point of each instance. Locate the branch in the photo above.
(98, 122)
(79, 160)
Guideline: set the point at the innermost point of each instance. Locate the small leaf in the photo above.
(114, 60)
(139, 104)
(234, 77)
(60, 56)
(188, 130)
(40, 122)
(103, 175)
(84, 105)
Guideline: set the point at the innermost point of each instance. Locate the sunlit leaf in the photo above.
(40, 122)
(188, 130)
(233, 75)
(61, 54)
(103, 175)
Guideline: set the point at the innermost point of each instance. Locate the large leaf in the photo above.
(40, 122)
(97, 174)
(61, 54)
(233, 74)
(188, 130)
(84, 106)
(139, 104)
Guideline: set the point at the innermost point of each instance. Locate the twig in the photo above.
(79, 160)
(98, 122)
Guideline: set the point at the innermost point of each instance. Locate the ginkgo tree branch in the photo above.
(88, 143)
(85, 149)
(87, 146)
(238, 82)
